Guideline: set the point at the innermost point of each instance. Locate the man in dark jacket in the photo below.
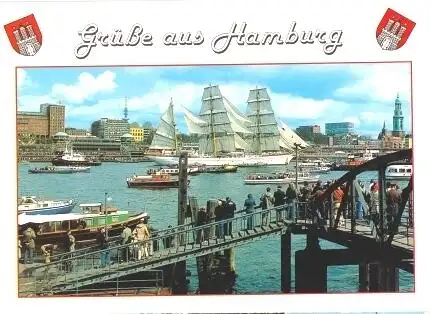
(393, 203)
(279, 199)
(102, 242)
(230, 209)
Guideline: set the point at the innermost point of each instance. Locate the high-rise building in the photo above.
(314, 129)
(339, 128)
(137, 133)
(110, 128)
(45, 123)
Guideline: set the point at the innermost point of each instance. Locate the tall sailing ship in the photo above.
(226, 136)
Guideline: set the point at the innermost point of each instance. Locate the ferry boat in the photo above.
(71, 158)
(172, 171)
(153, 181)
(280, 178)
(399, 172)
(60, 169)
(31, 205)
(218, 169)
(319, 169)
(314, 163)
(84, 225)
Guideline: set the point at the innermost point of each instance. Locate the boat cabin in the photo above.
(95, 208)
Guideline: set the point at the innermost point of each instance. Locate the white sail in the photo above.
(219, 123)
(264, 128)
(289, 136)
(164, 138)
(195, 124)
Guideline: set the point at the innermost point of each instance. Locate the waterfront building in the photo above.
(110, 128)
(137, 133)
(76, 132)
(314, 129)
(44, 124)
(339, 128)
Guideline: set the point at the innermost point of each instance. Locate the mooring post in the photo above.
(353, 205)
(364, 277)
(382, 206)
(286, 262)
(180, 281)
(310, 267)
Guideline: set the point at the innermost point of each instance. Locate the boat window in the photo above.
(402, 170)
(45, 205)
(65, 225)
(409, 170)
(89, 222)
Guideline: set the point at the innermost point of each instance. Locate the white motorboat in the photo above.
(31, 205)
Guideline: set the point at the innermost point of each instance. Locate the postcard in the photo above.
(232, 157)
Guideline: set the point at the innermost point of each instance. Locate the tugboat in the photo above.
(31, 205)
(70, 158)
(153, 181)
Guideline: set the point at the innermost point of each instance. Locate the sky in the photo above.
(300, 94)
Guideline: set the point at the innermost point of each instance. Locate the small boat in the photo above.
(31, 205)
(399, 172)
(219, 169)
(317, 169)
(60, 169)
(172, 170)
(71, 158)
(280, 178)
(314, 163)
(153, 181)
(84, 225)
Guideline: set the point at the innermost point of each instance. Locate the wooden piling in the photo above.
(179, 285)
(286, 264)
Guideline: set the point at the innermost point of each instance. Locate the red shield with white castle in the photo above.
(24, 35)
(393, 31)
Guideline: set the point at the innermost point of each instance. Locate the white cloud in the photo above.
(379, 82)
(23, 79)
(86, 86)
(370, 117)
(32, 103)
(353, 119)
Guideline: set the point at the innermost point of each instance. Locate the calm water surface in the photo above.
(257, 263)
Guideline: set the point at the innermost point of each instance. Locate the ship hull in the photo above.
(273, 160)
(65, 209)
(153, 184)
(62, 162)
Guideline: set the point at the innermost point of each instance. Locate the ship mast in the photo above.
(212, 123)
(259, 147)
(174, 125)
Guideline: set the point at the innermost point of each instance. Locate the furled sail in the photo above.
(164, 138)
(265, 135)
(219, 123)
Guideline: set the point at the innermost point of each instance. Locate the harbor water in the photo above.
(257, 263)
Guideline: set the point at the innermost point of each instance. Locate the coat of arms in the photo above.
(24, 35)
(393, 31)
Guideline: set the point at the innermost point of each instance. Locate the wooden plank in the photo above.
(181, 249)
(172, 250)
(212, 241)
(258, 229)
(189, 247)
(250, 232)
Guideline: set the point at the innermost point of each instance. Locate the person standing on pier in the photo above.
(102, 241)
(141, 235)
(291, 201)
(70, 247)
(279, 200)
(266, 200)
(126, 238)
(29, 245)
(249, 206)
(337, 198)
(394, 201)
(220, 214)
(200, 221)
(230, 209)
(374, 208)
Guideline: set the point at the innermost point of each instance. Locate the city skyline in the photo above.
(301, 94)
